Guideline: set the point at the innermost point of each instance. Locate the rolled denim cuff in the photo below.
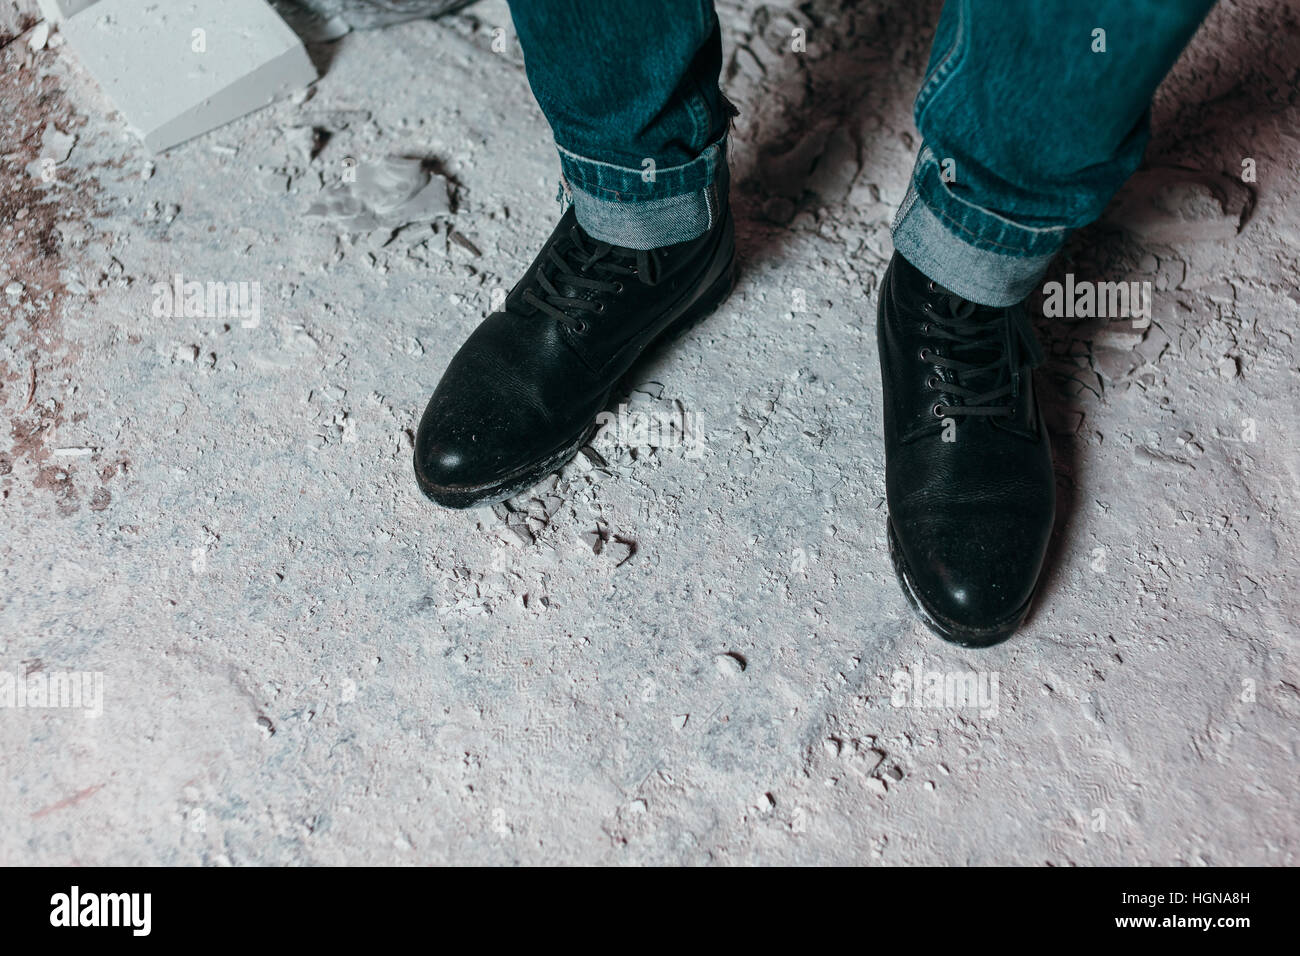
(649, 207)
(972, 251)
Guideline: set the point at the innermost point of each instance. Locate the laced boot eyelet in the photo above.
(600, 307)
(924, 355)
(581, 327)
(932, 382)
(932, 286)
(938, 411)
(618, 287)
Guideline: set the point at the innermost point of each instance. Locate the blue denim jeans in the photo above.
(1032, 114)
(631, 92)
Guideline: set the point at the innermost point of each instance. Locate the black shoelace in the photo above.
(578, 262)
(985, 351)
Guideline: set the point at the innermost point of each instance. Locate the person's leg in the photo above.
(1038, 111)
(645, 247)
(1032, 114)
(631, 92)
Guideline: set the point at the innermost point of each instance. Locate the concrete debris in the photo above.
(58, 10)
(387, 194)
(729, 664)
(336, 17)
(1173, 205)
(173, 80)
(56, 147)
(621, 549)
(824, 160)
(39, 37)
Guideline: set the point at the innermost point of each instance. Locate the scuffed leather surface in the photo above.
(972, 516)
(524, 384)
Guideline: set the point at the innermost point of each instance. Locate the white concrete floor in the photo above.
(303, 661)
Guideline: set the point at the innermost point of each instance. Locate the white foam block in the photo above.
(179, 68)
(56, 11)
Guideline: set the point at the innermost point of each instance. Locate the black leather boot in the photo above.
(522, 394)
(968, 466)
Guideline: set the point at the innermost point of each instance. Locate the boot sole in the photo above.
(953, 633)
(467, 496)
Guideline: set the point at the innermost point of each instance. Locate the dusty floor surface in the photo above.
(686, 652)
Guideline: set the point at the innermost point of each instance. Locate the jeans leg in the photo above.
(1032, 114)
(631, 92)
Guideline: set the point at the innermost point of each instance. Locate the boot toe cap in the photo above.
(462, 448)
(473, 453)
(446, 466)
(972, 588)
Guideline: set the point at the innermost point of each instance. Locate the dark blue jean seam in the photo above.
(980, 241)
(948, 66)
(593, 179)
(1076, 200)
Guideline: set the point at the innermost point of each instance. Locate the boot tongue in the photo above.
(970, 312)
(957, 306)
